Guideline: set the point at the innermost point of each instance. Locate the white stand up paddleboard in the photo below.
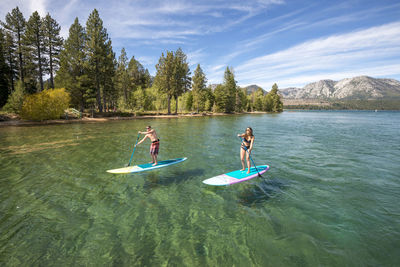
(147, 166)
(236, 176)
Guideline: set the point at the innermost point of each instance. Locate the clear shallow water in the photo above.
(331, 196)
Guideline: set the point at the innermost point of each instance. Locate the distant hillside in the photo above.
(253, 88)
(360, 88)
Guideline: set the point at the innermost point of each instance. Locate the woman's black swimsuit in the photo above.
(246, 147)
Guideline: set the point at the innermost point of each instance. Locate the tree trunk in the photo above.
(40, 64)
(11, 74)
(169, 105)
(51, 68)
(105, 102)
(98, 96)
(21, 64)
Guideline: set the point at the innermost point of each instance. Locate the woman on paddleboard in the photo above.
(155, 143)
(246, 147)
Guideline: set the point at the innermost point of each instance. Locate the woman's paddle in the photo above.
(129, 164)
(245, 149)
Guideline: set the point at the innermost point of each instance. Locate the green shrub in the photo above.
(15, 100)
(46, 105)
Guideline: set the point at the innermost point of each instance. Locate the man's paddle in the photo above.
(129, 164)
(245, 149)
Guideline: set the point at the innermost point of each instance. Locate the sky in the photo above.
(288, 42)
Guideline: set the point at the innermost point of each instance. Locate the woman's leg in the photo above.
(242, 152)
(248, 162)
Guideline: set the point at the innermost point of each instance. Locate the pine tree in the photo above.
(53, 43)
(34, 40)
(164, 78)
(181, 76)
(221, 98)
(97, 52)
(4, 70)
(276, 99)
(199, 89)
(9, 49)
(258, 99)
(230, 89)
(72, 74)
(272, 100)
(122, 80)
(108, 73)
(15, 25)
(138, 74)
(241, 100)
(210, 99)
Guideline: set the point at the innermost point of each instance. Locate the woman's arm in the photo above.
(251, 144)
(241, 135)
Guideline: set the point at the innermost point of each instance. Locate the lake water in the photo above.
(330, 198)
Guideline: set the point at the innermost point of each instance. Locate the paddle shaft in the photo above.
(129, 164)
(245, 149)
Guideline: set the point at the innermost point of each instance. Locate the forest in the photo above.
(41, 74)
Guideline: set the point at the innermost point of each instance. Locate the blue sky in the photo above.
(288, 42)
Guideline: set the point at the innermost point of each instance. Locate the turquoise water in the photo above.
(330, 198)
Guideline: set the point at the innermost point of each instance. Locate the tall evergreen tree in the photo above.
(16, 25)
(72, 73)
(181, 76)
(258, 99)
(221, 98)
(96, 49)
(230, 89)
(53, 42)
(4, 70)
(199, 89)
(9, 49)
(164, 77)
(108, 73)
(34, 39)
(272, 100)
(277, 105)
(138, 74)
(210, 99)
(241, 100)
(122, 80)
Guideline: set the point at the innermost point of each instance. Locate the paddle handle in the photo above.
(129, 164)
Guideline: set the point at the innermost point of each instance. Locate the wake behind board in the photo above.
(147, 166)
(236, 176)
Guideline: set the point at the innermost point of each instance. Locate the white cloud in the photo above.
(196, 57)
(39, 6)
(361, 52)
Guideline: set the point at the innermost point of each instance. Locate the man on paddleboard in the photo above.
(155, 143)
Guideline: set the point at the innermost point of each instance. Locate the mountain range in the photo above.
(361, 87)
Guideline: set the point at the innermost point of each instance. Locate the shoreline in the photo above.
(17, 122)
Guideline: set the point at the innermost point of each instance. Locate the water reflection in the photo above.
(260, 192)
(155, 179)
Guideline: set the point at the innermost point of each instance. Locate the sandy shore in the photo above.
(16, 122)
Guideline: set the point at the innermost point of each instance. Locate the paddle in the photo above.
(245, 149)
(129, 164)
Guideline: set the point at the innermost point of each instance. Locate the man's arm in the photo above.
(141, 141)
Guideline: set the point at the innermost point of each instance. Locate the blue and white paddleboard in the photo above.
(147, 166)
(236, 176)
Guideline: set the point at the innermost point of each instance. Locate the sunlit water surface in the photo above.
(330, 198)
